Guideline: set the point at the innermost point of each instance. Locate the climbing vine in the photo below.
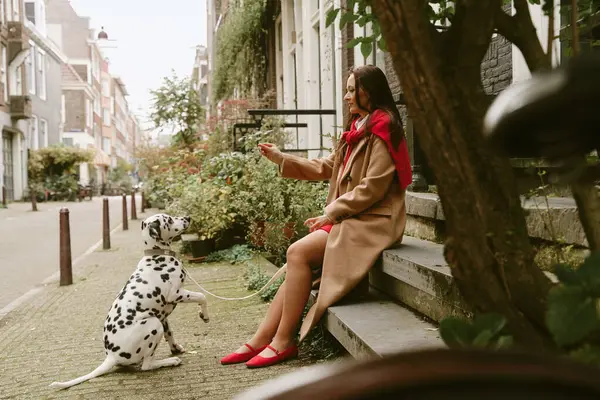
(241, 50)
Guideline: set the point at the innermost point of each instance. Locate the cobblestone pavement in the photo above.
(57, 335)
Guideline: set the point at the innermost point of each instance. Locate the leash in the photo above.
(276, 276)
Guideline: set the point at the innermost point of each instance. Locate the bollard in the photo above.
(143, 205)
(125, 223)
(66, 268)
(33, 201)
(133, 210)
(105, 225)
(4, 195)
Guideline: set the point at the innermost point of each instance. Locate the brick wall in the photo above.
(496, 67)
(75, 110)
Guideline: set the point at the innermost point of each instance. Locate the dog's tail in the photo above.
(105, 367)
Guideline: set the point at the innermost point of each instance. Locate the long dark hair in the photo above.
(374, 83)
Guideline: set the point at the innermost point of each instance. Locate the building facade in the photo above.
(312, 63)
(15, 104)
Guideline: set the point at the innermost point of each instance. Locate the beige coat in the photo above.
(367, 205)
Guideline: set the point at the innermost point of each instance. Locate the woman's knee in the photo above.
(296, 255)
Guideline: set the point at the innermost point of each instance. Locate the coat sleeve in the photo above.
(371, 189)
(318, 169)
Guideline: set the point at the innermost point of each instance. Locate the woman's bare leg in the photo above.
(301, 255)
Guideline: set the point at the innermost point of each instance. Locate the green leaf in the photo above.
(347, 17)
(331, 16)
(589, 271)
(505, 342)
(457, 333)
(587, 354)
(483, 339)
(489, 322)
(354, 42)
(571, 314)
(382, 44)
(366, 47)
(566, 274)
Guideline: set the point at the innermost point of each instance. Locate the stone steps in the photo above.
(377, 326)
(416, 274)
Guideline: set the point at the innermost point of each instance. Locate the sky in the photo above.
(152, 37)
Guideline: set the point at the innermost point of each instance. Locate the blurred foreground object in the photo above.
(436, 375)
(554, 115)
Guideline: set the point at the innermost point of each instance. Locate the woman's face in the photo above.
(350, 97)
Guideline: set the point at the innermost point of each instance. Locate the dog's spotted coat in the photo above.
(137, 319)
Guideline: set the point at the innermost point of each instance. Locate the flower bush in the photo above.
(235, 190)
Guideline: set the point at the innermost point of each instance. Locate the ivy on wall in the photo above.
(241, 50)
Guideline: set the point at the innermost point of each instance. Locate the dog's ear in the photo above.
(154, 228)
(143, 225)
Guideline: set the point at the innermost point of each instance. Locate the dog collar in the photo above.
(159, 252)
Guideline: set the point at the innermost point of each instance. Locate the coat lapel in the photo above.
(355, 152)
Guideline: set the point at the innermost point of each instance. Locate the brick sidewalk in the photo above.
(58, 336)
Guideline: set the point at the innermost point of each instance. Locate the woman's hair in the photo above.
(374, 83)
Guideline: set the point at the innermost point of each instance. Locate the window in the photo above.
(106, 117)
(33, 133)
(30, 69)
(3, 72)
(106, 145)
(105, 88)
(2, 18)
(68, 141)
(41, 71)
(112, 106)
(97, 107)
(88, 113)
(30, 11)
(16, 12)
(44, 132)
(63, 109)
(16, 87)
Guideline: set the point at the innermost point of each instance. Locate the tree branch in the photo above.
(471, 31)
(520, 31)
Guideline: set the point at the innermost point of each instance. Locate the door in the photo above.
(7, 149)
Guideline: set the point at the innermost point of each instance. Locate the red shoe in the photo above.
(236, 358)
(259, 361)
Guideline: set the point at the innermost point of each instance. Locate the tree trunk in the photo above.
(488, 245)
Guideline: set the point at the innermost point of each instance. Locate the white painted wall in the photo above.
(540, 21)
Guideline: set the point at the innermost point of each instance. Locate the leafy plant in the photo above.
(485, 331)
(241, 50)
(177, 105)
(237, 254)
(256, 279)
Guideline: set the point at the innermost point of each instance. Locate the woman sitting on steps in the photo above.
(365, 214)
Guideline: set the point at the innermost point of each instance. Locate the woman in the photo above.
(365, 214)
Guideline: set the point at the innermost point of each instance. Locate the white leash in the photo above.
(278, 274)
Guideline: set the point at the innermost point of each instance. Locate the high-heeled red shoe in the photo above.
(236, 358)
(280, 356)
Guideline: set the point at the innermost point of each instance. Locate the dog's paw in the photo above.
(176, 361)
(177, 349)
(203, 317)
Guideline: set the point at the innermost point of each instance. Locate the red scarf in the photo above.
(379, 125)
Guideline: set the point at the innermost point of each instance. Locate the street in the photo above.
(29, 244)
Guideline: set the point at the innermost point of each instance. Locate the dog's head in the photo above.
(162, 229)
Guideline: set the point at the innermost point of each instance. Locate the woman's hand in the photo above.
(317, 222)
(272, 153)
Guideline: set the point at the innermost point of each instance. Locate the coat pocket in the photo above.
(379, 210)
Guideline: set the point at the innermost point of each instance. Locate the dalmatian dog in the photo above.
(137, 319)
